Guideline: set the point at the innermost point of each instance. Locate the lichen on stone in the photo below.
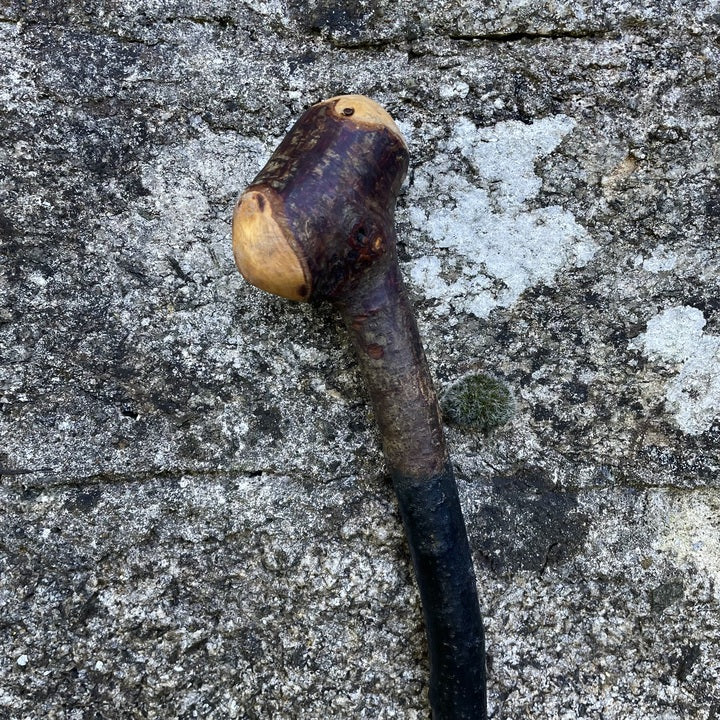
(478, 402)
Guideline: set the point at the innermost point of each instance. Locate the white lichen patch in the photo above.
(488, 246)
(661, 260)
(17, 84)
(676, 337)
(456, 89)
(692, 532)
(185, 178)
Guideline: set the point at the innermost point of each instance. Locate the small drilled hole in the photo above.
(348, 111)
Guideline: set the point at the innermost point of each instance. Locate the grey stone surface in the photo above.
(195, 516)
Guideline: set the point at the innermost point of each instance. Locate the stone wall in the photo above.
(196, 518)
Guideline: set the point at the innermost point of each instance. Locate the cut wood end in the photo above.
(364, 111)
(263, 250)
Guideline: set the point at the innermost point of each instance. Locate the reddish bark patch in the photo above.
(375, 351)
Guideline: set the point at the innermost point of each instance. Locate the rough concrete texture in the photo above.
(196, 518)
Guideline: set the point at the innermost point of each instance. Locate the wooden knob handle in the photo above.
(320, 214)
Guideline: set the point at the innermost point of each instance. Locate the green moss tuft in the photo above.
(477, 402)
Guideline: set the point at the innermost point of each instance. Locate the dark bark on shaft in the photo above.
(439, 547)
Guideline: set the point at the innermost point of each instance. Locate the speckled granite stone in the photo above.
(196, 520)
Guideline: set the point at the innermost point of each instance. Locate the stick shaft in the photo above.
(385, 336)
(441, 556)
(382, 326)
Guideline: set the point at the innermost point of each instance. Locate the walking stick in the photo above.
(317, 223)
